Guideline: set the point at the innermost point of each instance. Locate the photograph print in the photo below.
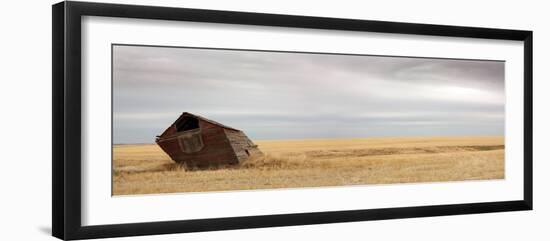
(188, 119)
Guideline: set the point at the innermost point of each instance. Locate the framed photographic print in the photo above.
(170, 120)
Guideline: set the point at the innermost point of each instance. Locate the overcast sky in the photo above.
(272, 95)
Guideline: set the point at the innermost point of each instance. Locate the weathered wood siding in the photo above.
(216, 151)
(241, 144)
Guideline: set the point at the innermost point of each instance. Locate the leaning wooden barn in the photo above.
(197, 142)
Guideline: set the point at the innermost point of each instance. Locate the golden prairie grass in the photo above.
(146, 169)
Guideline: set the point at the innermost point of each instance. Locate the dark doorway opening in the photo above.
(187, 123)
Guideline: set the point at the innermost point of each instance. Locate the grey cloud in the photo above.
(272, 95)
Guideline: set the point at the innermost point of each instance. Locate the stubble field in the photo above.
(146, 169)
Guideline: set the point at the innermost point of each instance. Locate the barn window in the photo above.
(187, 123)
(191, 141)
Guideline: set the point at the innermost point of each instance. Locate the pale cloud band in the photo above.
(277, 95)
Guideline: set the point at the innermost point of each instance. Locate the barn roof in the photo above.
(207, 120)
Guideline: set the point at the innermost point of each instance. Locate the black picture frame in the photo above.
(66, 127)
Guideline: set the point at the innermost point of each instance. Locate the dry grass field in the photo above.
(146, 169)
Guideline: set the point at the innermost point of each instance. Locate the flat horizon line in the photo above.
(341, 138)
